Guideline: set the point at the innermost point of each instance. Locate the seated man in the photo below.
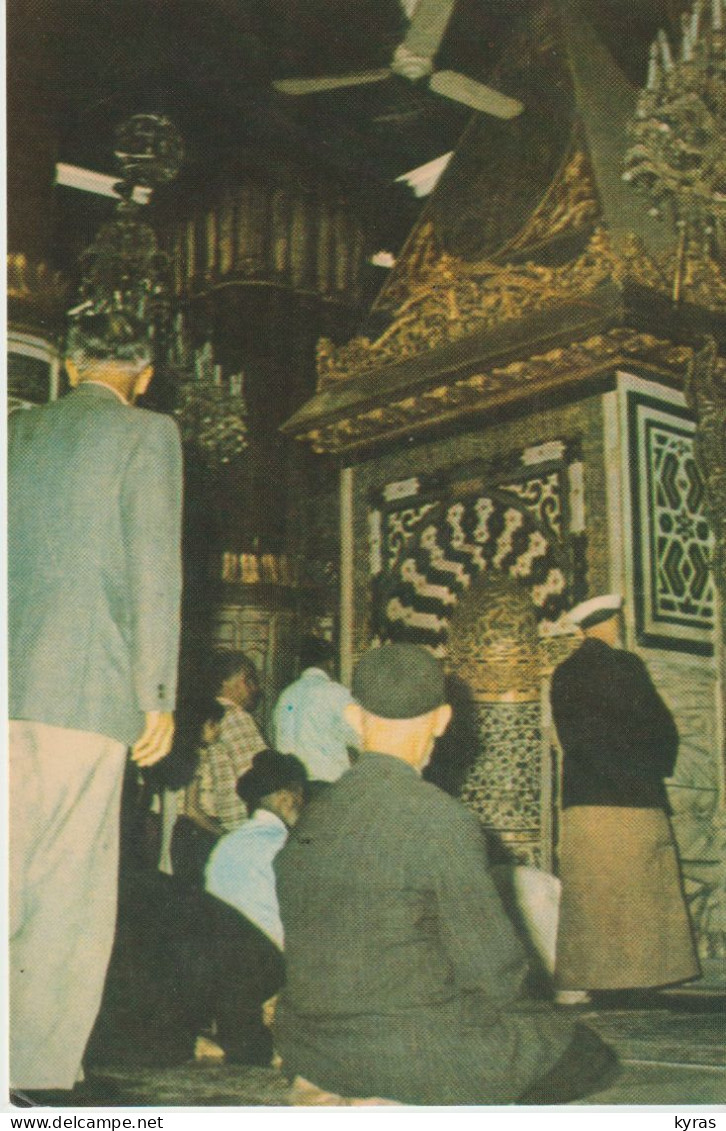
(236, 684)
(231, 939)
(404, 975)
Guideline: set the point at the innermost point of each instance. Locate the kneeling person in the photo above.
(404, 975)
(240, 964)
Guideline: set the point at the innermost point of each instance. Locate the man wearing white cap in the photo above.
(623, 922)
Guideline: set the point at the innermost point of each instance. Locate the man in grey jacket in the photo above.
(94, 516)
(404, 976)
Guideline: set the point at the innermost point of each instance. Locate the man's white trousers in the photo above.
(65, 800)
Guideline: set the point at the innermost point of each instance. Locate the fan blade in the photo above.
(427, 27)
(329, 82)
(475, 94)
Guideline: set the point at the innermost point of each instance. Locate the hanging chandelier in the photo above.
(211, 407)
(124, 270)
(678, 152)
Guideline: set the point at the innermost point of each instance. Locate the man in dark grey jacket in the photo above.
(94, 515)
(404, 975)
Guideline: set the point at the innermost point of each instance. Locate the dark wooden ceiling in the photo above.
(210, 66)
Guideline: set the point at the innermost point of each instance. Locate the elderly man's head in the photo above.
(400, 706)
(111, 347)
(600, 617)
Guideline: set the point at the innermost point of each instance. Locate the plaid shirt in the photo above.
(222, 763)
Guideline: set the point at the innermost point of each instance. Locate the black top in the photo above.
(618, 737)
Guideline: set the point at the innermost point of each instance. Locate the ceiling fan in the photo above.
(413, 59)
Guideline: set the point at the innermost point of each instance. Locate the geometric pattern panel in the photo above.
(540, 495)
(504, 786)
(430, 535)
(673, 542)
(453, 543)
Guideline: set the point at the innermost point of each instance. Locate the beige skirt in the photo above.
(623, 919)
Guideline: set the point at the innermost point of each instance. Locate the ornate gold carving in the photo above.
(679, 129)
(569, 364)
(493, 643)
(454, 298)
(439, 298)
(421, 252)
(569, 206)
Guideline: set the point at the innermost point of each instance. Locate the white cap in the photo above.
(596, 609)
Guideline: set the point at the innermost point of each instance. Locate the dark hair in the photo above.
(315, 650)
(269, 772)
(224, 663)
(207, 710)
(108, 336)
(179, 767)
(191, 717)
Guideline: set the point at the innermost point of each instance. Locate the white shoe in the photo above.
(572, 997)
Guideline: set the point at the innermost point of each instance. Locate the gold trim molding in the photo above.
(449, 299)
(36, 295)
(501, 385)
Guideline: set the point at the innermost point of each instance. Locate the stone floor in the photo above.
(671, 1046)
(672, 1054)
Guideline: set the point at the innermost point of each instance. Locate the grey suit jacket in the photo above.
(94, 563)
(404, 975)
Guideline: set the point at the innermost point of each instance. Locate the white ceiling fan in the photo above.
(413, 59)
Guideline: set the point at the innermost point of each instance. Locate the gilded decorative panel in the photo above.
(493, 643)
(495, 650)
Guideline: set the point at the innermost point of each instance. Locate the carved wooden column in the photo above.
(266, 259)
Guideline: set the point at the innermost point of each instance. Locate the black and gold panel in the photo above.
(674, 593)
(503, 169)
(494, 648)
(432, 537)
(479, 563)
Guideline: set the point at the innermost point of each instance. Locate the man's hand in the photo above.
(155, 741)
